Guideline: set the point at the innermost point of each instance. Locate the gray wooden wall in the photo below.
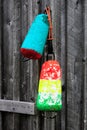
(19, 80)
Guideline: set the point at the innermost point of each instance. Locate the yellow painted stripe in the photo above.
(50, 86)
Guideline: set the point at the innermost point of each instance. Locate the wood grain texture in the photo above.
(85, 67)
(29, 70)
(56, 11)
(11, 59)
(0, 60)
(33, 70)
(24, 78)
(74, 68)
(19, 80)
(63, 61)
(17, 107)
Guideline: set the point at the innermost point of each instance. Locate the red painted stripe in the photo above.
(51, 70)
(31, 54)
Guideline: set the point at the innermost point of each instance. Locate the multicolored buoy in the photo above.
(34, 42)
(49, 96)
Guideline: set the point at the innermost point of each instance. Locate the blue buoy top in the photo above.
(37, 34)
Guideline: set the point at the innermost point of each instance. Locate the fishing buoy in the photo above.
(34, 42)
(49, 96)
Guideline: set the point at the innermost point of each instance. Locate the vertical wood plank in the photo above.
(56, 20)
(29, 70)
(16, 58)
(84, 121)
(74, 52)
(0, 60)
(63, 44)
(33, 70)
(23, 69)
(11, 62)
(7, 62)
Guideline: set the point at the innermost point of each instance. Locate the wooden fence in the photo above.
(19, 80)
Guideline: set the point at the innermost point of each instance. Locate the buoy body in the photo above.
(49, 96)
(34, 42)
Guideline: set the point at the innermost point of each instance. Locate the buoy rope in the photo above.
(48, 12)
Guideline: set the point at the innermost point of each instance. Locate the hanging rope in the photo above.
(48, 12)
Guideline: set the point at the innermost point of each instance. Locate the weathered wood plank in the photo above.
(84, 121)
(16, 58)
(11, 43)
(17, 107)
(56, 11)
(74, 87)
(23, 72)
(56, 16)
(0, 60)
(33, 70)
(29, 70)
(63, 61)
